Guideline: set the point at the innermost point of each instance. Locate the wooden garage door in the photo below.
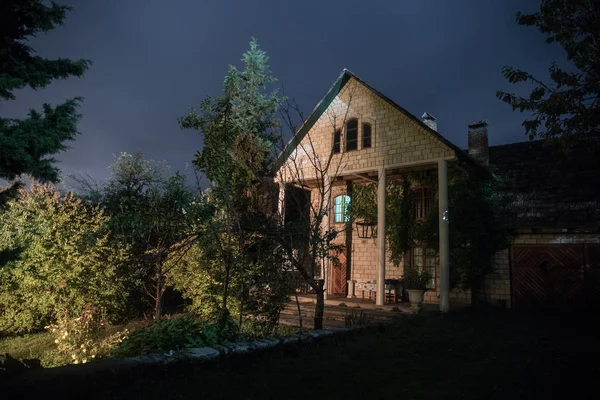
(555, 276)
(591, 279)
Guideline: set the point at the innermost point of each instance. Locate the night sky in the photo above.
(153, 60)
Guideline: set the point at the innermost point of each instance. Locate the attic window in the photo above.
(352, 135)
(366, 136)
(337, 140)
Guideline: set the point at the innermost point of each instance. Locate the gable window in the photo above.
(340, 208)
(366, 136)
(424, 258)
(337, 140)
(352, 135)
(423, 200)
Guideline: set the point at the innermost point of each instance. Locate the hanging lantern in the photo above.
(365, 229)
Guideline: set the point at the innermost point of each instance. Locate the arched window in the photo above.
(366, 136)
(340, 208)
(352, 135)
(337, 140)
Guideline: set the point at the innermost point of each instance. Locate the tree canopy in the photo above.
(27, 145)
(568, 105)
(152, 211)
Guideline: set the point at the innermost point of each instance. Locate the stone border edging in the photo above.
(195, 355)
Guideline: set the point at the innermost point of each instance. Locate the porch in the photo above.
(365, 262)
(337, 308)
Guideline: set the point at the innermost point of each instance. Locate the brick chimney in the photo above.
(429, 120)
(478, 141)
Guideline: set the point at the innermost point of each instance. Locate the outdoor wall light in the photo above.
(365, 229)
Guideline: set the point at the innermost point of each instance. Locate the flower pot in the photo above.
(415, 296)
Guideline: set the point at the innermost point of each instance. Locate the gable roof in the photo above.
(324, 103)
(548, 188)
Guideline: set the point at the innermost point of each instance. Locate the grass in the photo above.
(465, 355)
(39, 346)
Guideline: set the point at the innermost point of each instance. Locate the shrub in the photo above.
(198, 279)
(83, 338)
(63, 252)
(170, 334)
(253, 328)
(416, 279)
(357, 318)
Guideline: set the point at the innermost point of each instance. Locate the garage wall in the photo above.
(498, 284)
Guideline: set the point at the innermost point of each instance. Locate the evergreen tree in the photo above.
(239, 131)
(27, 145)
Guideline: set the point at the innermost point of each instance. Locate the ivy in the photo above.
(476, 209)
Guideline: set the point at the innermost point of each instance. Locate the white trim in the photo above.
(433, 161)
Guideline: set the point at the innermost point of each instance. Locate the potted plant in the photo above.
(415, 283)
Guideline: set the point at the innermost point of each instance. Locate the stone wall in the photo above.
(396, 138)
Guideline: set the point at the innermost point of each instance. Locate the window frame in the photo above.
(340, 216)
(429, 256)
(347, 136)
(337, 142)
(423, 199)
(370, 126)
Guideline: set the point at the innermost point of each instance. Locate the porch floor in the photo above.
(338, 307)
(355, 301)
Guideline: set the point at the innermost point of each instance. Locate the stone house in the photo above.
(363, 136)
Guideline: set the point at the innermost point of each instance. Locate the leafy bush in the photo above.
(83, 338)
(357, 318)
(170, 334)
(255, 329)
(62, 251)
(416, 279)
(198, 279)
(258, 290)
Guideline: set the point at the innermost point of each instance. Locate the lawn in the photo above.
(464, 355)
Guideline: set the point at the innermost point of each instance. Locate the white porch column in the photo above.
(381, 228)
(444, 236)
(325, 225)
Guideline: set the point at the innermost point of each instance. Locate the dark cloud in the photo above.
(154, 59)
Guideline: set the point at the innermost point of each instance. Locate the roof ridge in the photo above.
(326, 100)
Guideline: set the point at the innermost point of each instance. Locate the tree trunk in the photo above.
(299, 311)
(158, 300)
(319, 308)
(226, 286)
(241, 311)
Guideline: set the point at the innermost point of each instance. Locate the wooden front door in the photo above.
(555, 276)
(338, 276)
